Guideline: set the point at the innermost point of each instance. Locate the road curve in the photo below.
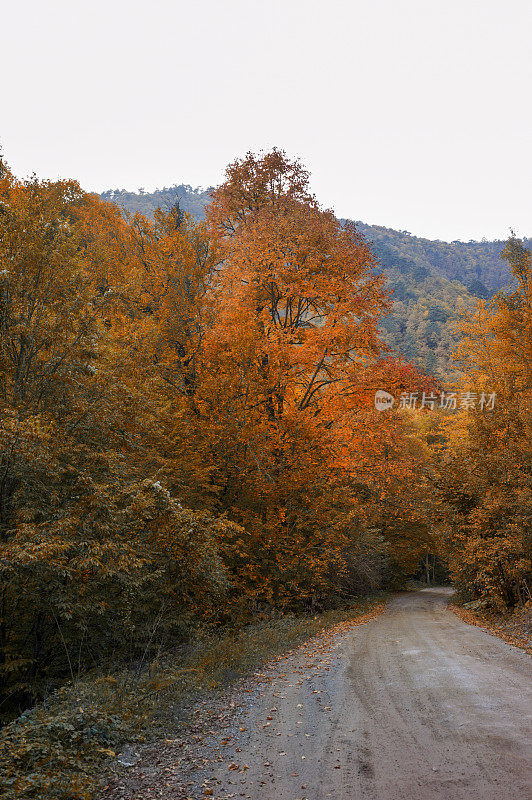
(415, 705)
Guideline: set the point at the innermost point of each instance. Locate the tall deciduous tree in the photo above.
(290, 365)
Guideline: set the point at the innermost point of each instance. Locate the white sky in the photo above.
(414, 114)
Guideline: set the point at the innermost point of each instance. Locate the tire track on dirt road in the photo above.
(420, 706)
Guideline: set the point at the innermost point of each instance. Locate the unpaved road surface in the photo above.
(415, 705)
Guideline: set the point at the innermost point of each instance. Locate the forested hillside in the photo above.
(477, 265)
(191, 200)
(421, 323)
(427, 298)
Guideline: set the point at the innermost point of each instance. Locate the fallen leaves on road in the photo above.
(220, 725)
(512, 628)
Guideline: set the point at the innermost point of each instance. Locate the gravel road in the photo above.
(415, 705)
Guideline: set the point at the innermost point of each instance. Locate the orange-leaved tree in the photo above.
(485, 475)
(286, 379)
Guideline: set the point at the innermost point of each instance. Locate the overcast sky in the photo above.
(414, 114)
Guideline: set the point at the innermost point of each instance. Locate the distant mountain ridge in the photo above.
(468, 262)
(191, 200)
(432, 281)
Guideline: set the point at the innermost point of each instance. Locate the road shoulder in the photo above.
(183, 765)
(514, 629)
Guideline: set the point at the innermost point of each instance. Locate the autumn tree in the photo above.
(289, 367)
(89, 536)
(187, 416)
(485, 476)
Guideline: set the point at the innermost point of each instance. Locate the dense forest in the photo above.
(192, 201)
(189, 436)
(433, 282)
(477, 265)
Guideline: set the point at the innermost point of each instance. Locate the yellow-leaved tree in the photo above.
(485, 477)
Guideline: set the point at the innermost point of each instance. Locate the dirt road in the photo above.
(416, 705)
(413, 705)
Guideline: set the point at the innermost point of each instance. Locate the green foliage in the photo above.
(52, 751)
(421, 323)
(467, 262)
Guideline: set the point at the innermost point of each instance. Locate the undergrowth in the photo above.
(56, 750)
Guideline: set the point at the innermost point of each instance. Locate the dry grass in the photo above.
(217, 659)
(56, 750)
